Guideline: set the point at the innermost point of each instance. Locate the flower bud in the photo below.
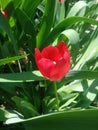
(53, 62)
(5, 13)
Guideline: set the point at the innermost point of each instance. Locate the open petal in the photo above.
(61, 69)
(37, 55)
(46, 66)
(51, 53)
(62, 47)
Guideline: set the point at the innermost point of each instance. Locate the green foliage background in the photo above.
(27, 100)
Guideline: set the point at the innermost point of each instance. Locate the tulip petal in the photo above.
(46, 66)
(51, 53)
(62, 47)
(61, 69)
(60, 1)
(37, 54)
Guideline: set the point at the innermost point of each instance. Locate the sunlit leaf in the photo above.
(79, 120)
(11, 59)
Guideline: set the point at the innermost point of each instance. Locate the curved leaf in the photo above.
(65, 24)
(72, 120)
(91, 52)
(76, 8)
(72, 35)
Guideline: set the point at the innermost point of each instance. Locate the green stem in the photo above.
(56, 95)
(11, 68)
(19, 65)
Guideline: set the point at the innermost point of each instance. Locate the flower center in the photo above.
(54, 62)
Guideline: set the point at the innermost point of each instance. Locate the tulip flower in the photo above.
(54, 61)
(60, 1)
(5, 13)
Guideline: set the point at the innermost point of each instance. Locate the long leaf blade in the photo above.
(35, 76)
(65, 24)
(74, 120)
(11, 59)
(21, 77)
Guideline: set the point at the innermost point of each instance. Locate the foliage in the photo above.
(27, 100)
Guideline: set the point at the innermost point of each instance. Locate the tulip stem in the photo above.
(56, 95)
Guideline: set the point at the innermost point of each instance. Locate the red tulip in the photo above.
(5, 13)
(60, 1)
(53, 62)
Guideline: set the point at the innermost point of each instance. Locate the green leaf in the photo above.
(47, 20)
(4, 25)
(72, 35)
(72, 120)
(36, 76)
(59, 12)
(30, 30)
(76, 8)
(67, 99)
(29, 7)
(5, 114)
(21, 77)
(73, 86)
(90, 94)
(73, 38)
(82, 75)
(11, 59)
(75, 75)
(4, 3)
(91, 52)
(65, 24)
(2, 114)
(89, 89)
(25, 107)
